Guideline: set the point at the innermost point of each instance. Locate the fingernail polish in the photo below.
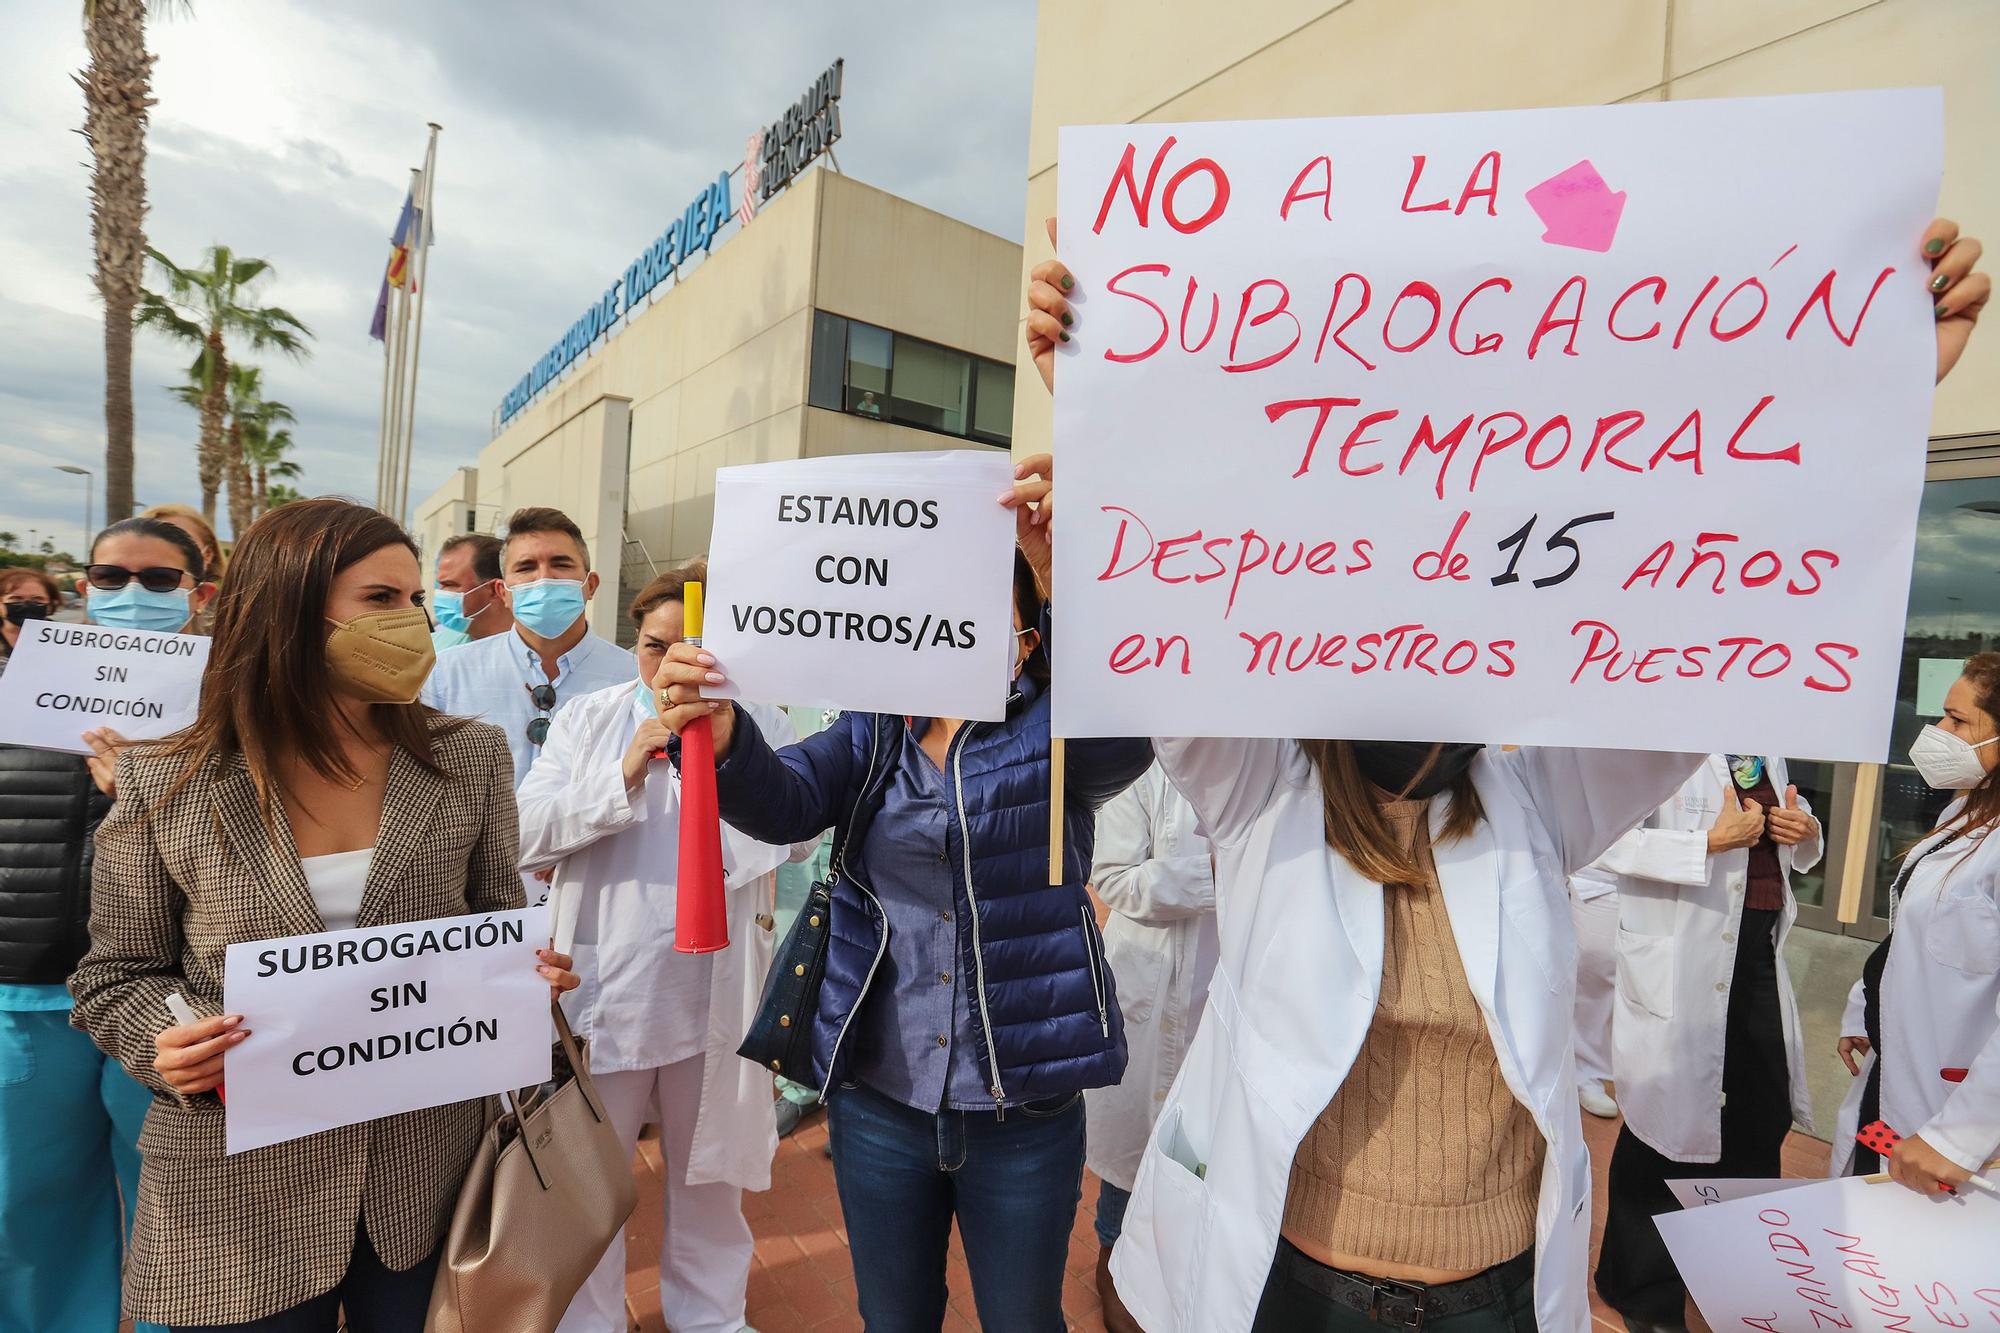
(232, 1020)
(1940, 282)
(1063, 336)
(1068, 282)
(713, 677)
(1934, 246)
(1938, 310)
(706, 659)
(1068, 319)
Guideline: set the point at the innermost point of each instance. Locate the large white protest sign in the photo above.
(878, 582)
(1841, 1254)
(350, 1025)
(62, 680)
(1596, 426)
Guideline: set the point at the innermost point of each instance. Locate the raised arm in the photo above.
(1589, 799)
(1227, 779)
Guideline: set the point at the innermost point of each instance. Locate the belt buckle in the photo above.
(1389, 1289)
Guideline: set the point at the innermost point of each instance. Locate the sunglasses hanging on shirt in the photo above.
(544, 697)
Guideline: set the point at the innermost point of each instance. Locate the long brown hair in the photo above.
(1982, 803)
(266, 691)
(1355, 826)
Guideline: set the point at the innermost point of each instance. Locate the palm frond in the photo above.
(156, 312)
(245, 271)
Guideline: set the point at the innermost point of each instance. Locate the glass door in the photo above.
(1954, 612)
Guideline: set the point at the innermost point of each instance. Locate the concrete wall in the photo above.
(1122, 61)
(449, 510)
(714, 371)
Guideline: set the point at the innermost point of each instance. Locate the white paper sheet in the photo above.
(351, 1025)
(64, 679)
(878, 582)
(1548, 426)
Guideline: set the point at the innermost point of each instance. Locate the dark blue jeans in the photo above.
(374, 1297)
(1013, 1181)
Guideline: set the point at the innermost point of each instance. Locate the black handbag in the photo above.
(780, 1035)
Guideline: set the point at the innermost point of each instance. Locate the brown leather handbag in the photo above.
(544, 1199)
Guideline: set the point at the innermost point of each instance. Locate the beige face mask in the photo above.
(383, 657)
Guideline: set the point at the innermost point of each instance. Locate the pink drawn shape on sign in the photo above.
(1578, 209)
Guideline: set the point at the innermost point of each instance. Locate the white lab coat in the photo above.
(1295, 992)
(1152, 870)
(1940, 1009)
(1679, 910)
(577, 820)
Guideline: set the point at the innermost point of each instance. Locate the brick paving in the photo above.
(802, 1280)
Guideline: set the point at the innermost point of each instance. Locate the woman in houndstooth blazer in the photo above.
(311, 793)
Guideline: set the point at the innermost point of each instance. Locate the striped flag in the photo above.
(397, 274)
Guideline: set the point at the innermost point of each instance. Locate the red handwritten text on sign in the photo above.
(1600, 426)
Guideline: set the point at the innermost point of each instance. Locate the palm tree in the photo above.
(117, 94)
(201, 308)
(265, 444)
(251, 419)
(7, 540)
(280, 495)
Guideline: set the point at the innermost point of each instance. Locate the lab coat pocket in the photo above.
(1964, 933)
(1646, 972)
(1180, 1205)
(1137, 954)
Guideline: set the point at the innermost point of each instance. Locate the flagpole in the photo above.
(399, 295)
(423, 281)
(391, 378)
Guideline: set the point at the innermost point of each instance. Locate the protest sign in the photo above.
(1592, 426)
(1841, 1254)
(878, 582)
(62, 680)
(1704, 1191)
(350, 1025)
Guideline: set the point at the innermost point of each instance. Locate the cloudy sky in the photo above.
(572, 134)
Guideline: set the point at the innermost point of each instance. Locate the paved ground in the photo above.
(803, 1281)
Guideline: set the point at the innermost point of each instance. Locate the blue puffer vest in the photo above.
(1047, 1007)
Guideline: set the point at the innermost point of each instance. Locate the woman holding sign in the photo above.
(1925, 1017)
(69, 1119)
(1377, 1123)
(312, 792)
(966, 1004)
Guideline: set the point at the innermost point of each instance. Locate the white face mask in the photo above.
(1948, 762)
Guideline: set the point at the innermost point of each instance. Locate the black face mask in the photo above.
(1393, 765)
(20, 613)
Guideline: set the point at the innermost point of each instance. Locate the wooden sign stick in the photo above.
(1056, 766)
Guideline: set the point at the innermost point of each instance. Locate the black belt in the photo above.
(1404, 1304)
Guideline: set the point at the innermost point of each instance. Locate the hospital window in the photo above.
(867, 371)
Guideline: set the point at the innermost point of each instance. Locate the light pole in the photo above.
(85, 473)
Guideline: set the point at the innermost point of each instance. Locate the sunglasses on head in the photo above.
(110, 578)
(544, 698)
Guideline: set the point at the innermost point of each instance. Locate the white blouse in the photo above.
(337, 880)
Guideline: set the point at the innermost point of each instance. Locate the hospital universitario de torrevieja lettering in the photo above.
(776, 154)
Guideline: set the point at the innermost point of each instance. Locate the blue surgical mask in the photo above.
(647, 699)
(449, 608)
(548, 607)
(133, 607)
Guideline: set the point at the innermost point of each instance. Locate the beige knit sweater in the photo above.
(1423, 1157)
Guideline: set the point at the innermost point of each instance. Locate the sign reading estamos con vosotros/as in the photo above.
(879, 582)
(1599, 426)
